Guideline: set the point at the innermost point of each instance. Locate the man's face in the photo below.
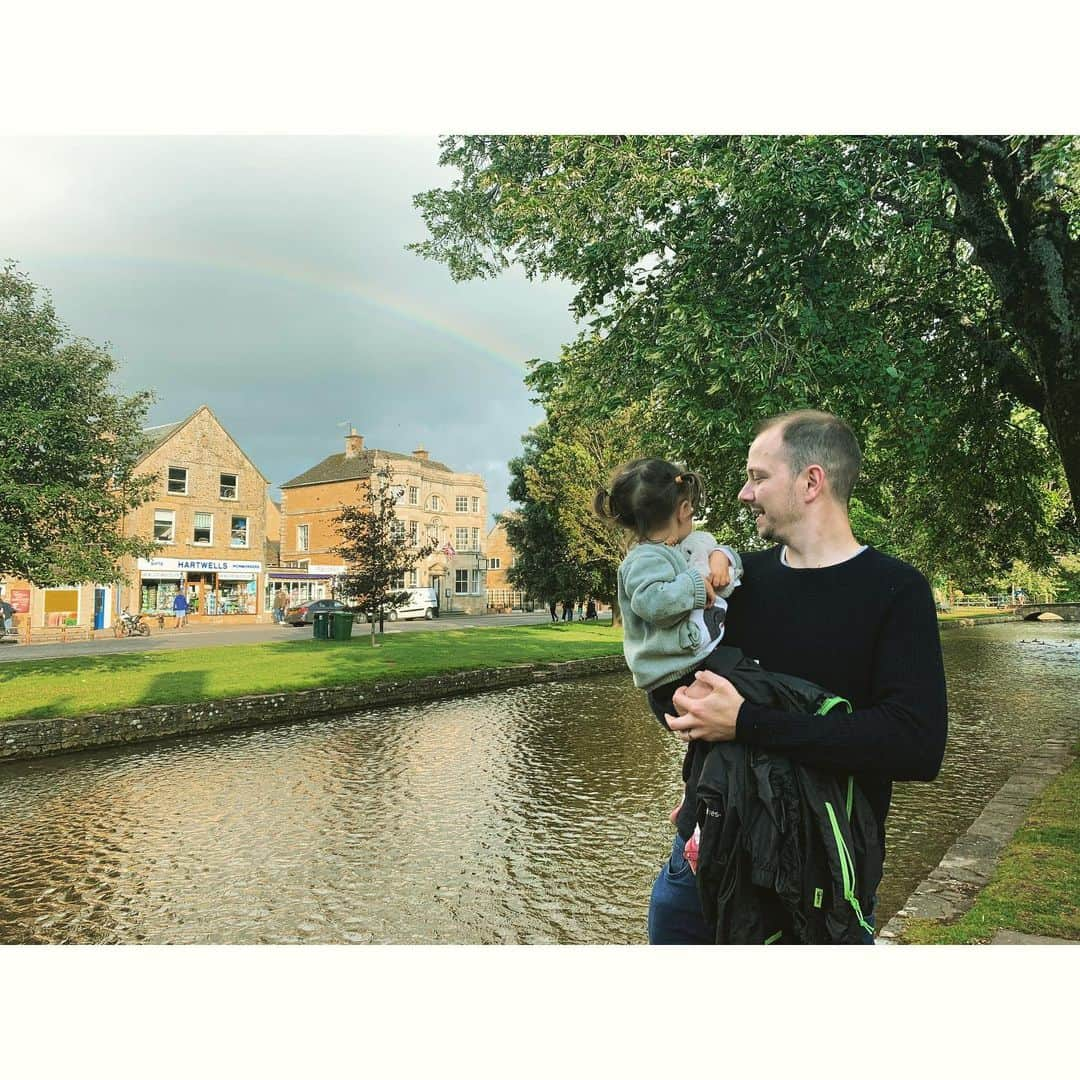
(769, 491)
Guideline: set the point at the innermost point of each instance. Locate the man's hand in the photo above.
(719, 570)
(708, 709)
(710, 592)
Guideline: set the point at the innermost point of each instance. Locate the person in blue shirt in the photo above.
(180, 609)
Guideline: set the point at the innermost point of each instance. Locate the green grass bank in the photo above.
(1036, 885)
(93, 684)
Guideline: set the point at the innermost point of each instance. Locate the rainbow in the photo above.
(328, 280)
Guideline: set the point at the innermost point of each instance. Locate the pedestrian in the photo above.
(590, 609)
(820, 606)
(553, 608)
(281, 603)
(180, 610)
(581, 610)
(568, 611)
(7, 616)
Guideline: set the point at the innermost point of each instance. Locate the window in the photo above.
(461, 539)
(476, 504)
(204, 529)
(495, 563)
(228, 485)
(461, 582)
(239, 532)
(476, 539)
(461, 504)
(412, 579)
(177, 481)
(414, 496)
(477, 580)
(414, 533)
(397, 531)
(301, 538)
(165, 526)
(398, 582)
(436, 502)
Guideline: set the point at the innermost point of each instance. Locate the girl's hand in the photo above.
(719, 570)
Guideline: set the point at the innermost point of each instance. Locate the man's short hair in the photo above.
(810, 437)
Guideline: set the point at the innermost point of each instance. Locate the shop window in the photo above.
(495, 563)
(461, 539)
(239, 532)
(301, 537)
(461, 504)
(414, 496)
(61, 607)
(203, 532)
(476, 504)
(177, 481)
(461, 582)
(228, 485)
(165, 526)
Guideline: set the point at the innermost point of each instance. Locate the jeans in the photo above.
(675, 911)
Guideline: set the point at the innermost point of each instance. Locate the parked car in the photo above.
(302, 614)
(419, 604)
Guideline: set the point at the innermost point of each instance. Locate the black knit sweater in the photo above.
(865, 629)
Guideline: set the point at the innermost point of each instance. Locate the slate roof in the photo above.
(339, 467)
(157, 435)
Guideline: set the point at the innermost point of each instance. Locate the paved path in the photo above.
(200, 636)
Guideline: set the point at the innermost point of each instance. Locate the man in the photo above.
(180, 610)
(281, 602)
(820, 606)
(7, 616)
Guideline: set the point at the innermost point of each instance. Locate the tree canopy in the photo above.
(68, 448)
(925, 288)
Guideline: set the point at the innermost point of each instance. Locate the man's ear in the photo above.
(813, 482)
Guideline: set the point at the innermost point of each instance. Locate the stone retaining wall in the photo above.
(968, 865)
(20, 740)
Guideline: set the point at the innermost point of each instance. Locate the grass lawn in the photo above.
(86, 684)
(1036, 886)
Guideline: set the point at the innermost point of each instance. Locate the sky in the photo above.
(267, 277)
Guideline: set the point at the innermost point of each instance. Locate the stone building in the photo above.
(437, 502)
(501, 595)
(209, 519)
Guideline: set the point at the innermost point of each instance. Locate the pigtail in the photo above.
(693, 487)
(603, 506)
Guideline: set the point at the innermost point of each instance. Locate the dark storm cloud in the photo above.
(267, 277)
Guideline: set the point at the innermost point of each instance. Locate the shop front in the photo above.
(300, 586)
(218, 589)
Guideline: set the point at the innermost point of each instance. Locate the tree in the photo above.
(374, 546)
(926, 288)
(543, 565)
(68, 448)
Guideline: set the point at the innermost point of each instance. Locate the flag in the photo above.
(448, 550)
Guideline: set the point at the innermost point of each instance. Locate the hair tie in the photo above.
(678, 479)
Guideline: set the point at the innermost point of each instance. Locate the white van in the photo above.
(419, 604)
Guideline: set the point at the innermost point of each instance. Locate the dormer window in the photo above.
(177, 483)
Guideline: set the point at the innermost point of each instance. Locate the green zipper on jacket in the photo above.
(847, 869)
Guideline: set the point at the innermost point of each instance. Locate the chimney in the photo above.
(421, 453)
(354, 443)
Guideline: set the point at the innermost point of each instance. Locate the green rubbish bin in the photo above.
(320, 625)
(341, 624)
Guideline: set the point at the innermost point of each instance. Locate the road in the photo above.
(202, 636)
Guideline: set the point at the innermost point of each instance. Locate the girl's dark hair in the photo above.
(646, 493)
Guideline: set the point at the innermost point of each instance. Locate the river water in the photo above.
(536, 814)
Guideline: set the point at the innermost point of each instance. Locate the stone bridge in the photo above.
(1069, 612)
